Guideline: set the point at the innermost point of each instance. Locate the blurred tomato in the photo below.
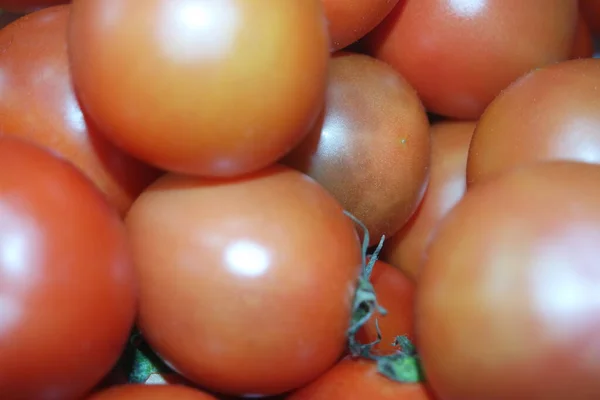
(38, 104)
(350, 20)
(395, 293)
(591, 12)
(246, 284)
(214, 88)
(551, 113)
(359, 380)
(371, 148)
(447, 184)
(584, 45)
(22, 6)
(460, 54)
(143, 392)
(67, 299)
(508, 305)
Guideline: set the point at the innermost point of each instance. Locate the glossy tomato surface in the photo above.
(151, 392)
(591, 12)
(216, 88)
(350, 20)
(22, 6)
(396, 294)
(447, 184)
(460, 54)
(247, 283)
(38, 103)
(359, 380)
(583, 47)
(67, 291)
(371, 147)
(508, 300)
(552, 113)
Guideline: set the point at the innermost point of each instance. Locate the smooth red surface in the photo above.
(584, 44)
(67, 290)
(151, 392)
(22, 6)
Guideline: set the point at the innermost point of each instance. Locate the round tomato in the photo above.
(584, 45)
(447, 184)
(359, 380)
(371, 147)
(216, 88)
(395, 293)
(591, 12)
(508, 305)
(460, 54)
(22, 6)
(152, 392)
(551, 113)
(247, 284)
(38, 103)
(67, 291)
(350, 20)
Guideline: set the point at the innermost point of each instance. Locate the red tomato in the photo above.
(359, 380)
(447, 184)
(584, 45)
(246, 284)
(508, 305)
(216, 88)
(143, 392)
(395, 293)
(22, 6)
(591, 12)
(67, 299)
(350, 20)
(38, 103)
(371, 148)
(460, 54)
(551, 113)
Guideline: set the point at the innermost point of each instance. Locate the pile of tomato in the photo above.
(299, 199)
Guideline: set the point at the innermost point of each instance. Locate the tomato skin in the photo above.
(23, 6)
(450, 142)
(151, 392)
(67, 290)
(350, 20)
(223, 106)
(359, 380)
(38, 103)
(591, 12)
(459, 57)
(246, 283)
(371, 149)
(395, 293)
(534, 120)
(583, 47)
(507, 306)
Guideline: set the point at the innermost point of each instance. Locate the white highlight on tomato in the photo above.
(195, 29)
(467, 8)
(247, 258)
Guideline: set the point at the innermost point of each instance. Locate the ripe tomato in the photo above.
(67, 299)
(359, 380)
(371, 148)
(216, 88)
(591, 12)
(508, 305)
(584, 45)
(38, 103)
(22, 6)
(447, 184)
(395, 293)
(460, 54)
(551, 113)
(152, 392)
(350, 20)
(246, 284)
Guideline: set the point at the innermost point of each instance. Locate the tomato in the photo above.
(551, 113)
(508, 304)
(460, 54)
(591, 12)
(371, 148)
(350, 20)
(395, 293)
(447, 184)
(216, 88)
(152, 392)
(67, 290)
(584, 45)
(38, 103)
(247, 284)
(22, 6)
(6, 18)
(359, 380)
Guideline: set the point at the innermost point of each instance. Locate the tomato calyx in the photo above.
(402, 366)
